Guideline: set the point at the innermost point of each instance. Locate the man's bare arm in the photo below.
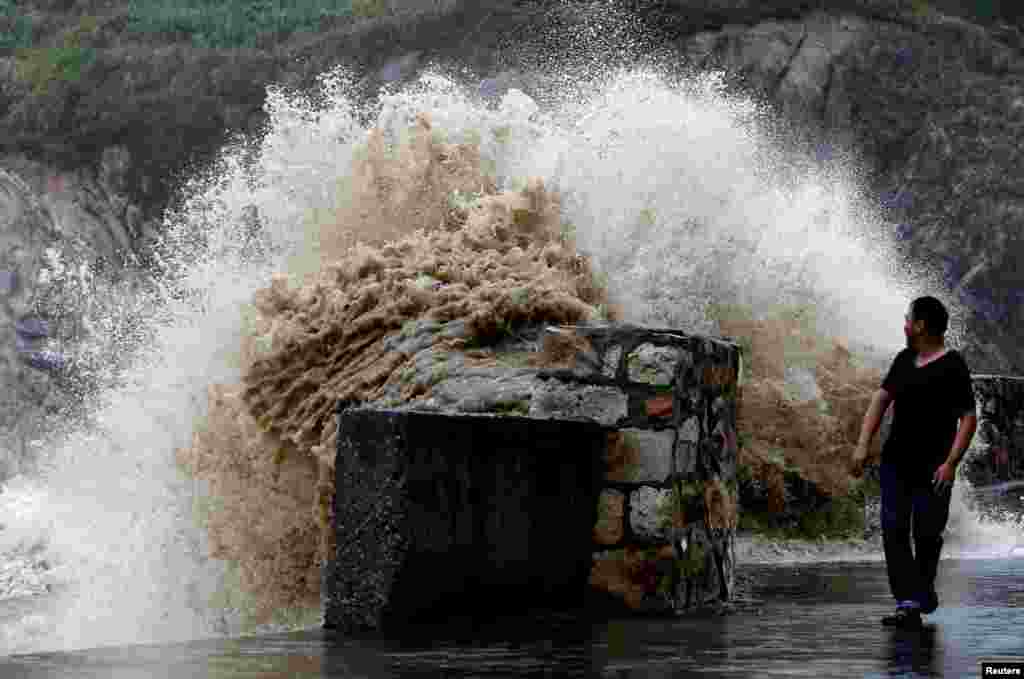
(873, 417)
(964, 434)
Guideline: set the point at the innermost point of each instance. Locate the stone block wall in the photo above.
(617, 490)
(667, 513)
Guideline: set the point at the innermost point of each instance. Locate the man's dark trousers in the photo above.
(908, 497)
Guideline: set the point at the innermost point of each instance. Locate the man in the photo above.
(930, 389)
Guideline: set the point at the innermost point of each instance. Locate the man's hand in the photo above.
(860, 458)
(942, 480)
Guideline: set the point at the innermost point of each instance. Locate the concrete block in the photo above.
(436, 514)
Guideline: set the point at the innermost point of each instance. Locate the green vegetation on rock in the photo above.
(18, 30)
(641, 372)
(864, 488)
(777, 458)
(743, 473)
(438, 374)
(408, 329)
(238, 23)
(682, 493)
(693, 562)
(920, 8)
(514, 359)
(841, 518)
(516, 407)
(729, 391)
(743, 441)
(43, 66)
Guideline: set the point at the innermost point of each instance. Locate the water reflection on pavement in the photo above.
(818, 620)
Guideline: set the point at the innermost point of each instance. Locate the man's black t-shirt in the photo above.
(928, 403)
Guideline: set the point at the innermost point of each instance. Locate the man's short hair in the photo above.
(933, 313)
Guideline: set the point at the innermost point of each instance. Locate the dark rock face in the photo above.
(440, 515)
(82, 216)
(934, 107)
(929, 97)
(24, 228)
(88, 205)
(165, 108)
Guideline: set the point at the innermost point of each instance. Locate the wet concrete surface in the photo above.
(818, 620)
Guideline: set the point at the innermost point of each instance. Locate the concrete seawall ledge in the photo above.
(615, 493)
(463, 514)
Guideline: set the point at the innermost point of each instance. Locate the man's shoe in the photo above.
(903, 617)
(930, 603)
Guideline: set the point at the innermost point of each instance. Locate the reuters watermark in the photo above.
(1006, 666)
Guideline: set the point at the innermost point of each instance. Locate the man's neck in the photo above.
(931, 349)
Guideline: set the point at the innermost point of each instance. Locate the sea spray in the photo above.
(668, 189)
(116, 517)
(984, 527)
(397, 201)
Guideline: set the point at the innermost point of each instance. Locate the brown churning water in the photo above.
(197, 508)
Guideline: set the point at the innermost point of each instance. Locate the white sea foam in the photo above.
(672, 189)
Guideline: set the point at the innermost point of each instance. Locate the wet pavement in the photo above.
(817, 620)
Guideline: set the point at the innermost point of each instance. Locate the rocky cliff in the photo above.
(929, 97)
